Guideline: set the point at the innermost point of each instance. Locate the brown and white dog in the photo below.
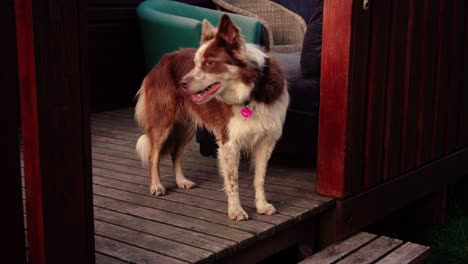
(228, 86)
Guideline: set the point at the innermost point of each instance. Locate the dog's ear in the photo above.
(208, 31)
(228, 32)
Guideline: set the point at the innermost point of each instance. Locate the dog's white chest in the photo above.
(265, 121)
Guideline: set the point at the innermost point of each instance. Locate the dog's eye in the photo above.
(208, 63)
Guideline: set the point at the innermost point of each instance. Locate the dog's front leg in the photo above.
(261, 155)
(228, 158)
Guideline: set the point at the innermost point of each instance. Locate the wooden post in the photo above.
(342, 97)
(52, 65)
(11, 202)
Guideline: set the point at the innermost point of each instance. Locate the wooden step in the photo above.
(365, 248)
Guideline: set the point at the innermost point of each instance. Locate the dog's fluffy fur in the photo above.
(209, 87)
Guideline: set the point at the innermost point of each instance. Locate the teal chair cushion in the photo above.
(169, 25)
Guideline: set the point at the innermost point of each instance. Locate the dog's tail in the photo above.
(143, 149)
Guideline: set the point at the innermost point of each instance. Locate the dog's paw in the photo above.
(266, 209)
(238, 214)
(157, 190)
(186, 184)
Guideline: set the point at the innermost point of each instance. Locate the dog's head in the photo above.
(223, 65)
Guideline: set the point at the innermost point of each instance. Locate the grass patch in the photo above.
(449, 241)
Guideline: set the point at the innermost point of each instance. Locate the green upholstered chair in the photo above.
(169, 25)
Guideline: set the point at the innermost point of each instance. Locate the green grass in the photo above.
(448, 241)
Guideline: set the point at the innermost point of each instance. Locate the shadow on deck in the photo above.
(189, 225)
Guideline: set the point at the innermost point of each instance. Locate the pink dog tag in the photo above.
(246, 112)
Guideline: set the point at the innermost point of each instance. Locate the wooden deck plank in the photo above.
(129, 253)
(295, 177)
(219, 246)
(184, 197)
(115, 127)
(372, 251)
(146, 241)
(103, 259)
(258, 228)
(166, 165)
(192, 221)
(273, 197)
(201, 193)
(409, 253)
(220, 231)
(187, 226)
(336, 252)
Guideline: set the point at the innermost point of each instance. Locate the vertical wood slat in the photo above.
(343, 90)
(30, 134)
(463, 119)
(462, 126)
(442, 79)
(52, 65)
(426, 87)
(376, 87)
(412, 82)
(11, 201)
(455, 48)
(395, 85)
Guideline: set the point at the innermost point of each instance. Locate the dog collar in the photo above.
(263, 75)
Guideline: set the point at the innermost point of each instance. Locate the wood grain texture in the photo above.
(455, 63)
(54, 102)
(376, 91)
(395, 86)
(28, 103)
(442, 80)
(372, 251)
(408, 253)
(369, 248)
(219, 246)
(104, 259)
(412, 83)
(462, 41)
(428, 80)
(463, 136)
(12, 223)
(334, 253)
(190, 225)
(146, 241)
(342, 96)
(333, 97)
(131, 254)
(355, 213)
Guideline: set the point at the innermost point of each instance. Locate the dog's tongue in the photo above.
(205, 94)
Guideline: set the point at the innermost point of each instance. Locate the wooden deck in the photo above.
(188, 226)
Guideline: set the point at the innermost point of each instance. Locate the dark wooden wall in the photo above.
(11, 198)
(394, 90)
(54, 101)
(116, 60)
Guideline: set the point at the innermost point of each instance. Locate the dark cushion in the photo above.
(304, 91)
(304, 8)
(290, 63)
(202, 3)
(312, 46)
